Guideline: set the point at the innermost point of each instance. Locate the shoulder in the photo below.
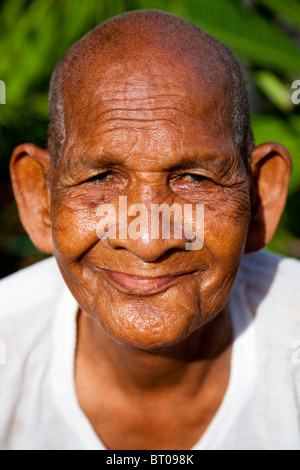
(29, 288)
(31, 303)
(273, 276)
(264, 263)
(272, 290)
(28, 305)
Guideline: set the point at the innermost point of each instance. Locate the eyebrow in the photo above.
(81, 161)
(189, 162)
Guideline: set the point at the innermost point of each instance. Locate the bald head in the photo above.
(132, 45)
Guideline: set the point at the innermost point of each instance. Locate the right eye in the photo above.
(101, 177)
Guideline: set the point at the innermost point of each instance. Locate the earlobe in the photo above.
(30, 168)
(270, 172)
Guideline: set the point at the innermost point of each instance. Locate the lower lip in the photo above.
(136, 285)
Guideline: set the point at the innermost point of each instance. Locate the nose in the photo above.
(145, 249)
(148, 226)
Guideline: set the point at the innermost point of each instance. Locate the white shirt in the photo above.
(39, 409)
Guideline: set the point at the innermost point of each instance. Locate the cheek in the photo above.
(74, 230)
(226, 228)
(227, 223)
(225, 238)
(74, 234)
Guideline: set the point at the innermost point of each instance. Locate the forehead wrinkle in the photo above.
(149, 97)
(144, 131)
(139, 98)
(192, 112)
(121, 100)
(151, 118)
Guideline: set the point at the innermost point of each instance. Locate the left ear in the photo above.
(270, 169)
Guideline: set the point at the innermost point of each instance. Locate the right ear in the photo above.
(30, 169)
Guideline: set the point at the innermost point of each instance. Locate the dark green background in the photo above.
(36, 33)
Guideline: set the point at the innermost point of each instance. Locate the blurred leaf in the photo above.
(274, 89)
(246, 32)
(288, 8)
(20, 245)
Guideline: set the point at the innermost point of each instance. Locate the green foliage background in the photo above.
(36, 33)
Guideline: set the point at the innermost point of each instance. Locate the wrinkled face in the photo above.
(156, 136)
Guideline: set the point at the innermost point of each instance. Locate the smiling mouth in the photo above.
(142, 285)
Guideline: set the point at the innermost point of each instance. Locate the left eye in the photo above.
(191, 178)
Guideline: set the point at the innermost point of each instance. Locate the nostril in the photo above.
(148, 251)
(168, 254)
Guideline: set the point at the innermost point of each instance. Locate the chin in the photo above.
(151, 328)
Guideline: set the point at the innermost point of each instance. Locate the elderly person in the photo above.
(137, 342)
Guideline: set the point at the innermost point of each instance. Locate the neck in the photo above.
(187, 365)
